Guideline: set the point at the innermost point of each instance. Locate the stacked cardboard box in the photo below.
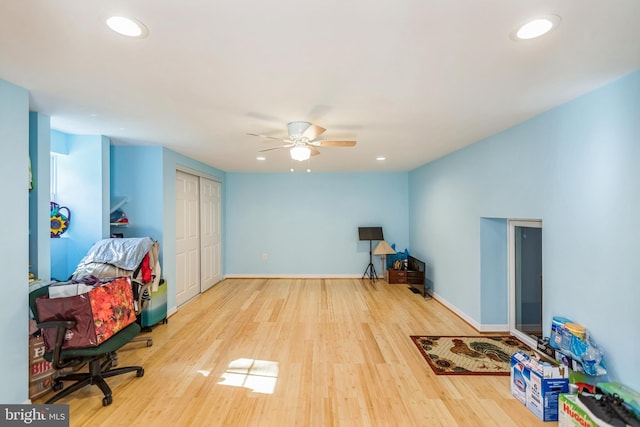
(573, 413)
(41, 374)
(537, 385)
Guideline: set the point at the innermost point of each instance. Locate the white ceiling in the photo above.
(408, 79)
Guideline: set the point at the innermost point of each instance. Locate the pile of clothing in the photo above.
(136, 257)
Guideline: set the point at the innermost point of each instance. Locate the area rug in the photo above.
(479, 355)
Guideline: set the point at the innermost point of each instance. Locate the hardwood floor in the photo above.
(320, 352)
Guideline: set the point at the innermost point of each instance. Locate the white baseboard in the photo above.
(455, 310)
(494, 328)
(478, 326)
(293, 276)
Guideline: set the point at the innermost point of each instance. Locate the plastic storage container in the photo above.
(570, 332)
(557, 323)
(576, 330)
(156, 309)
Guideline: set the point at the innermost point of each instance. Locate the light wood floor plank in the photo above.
(336, 351)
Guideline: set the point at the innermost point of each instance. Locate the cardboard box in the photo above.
(38, 366)
(537, 385)
(41, 373)
(519, 376)
(572, 413)
(40, 386)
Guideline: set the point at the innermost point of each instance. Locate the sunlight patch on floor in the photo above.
(258, 375)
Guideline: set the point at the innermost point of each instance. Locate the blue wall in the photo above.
(307, 224)
(14, 251)
(172, 161)
(574, 167)
(494, 281)
(136, 173)
(39, 196)
(83, 179)
(146, 176)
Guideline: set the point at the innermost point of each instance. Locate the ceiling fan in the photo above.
(302, 140)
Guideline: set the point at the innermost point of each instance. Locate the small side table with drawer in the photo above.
(415, 279)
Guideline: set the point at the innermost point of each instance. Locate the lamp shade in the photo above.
(383, 248)
(300, 153)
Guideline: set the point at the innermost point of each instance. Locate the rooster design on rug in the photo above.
(479, 349)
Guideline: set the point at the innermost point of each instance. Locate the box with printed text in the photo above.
(41, 373)
(537, 385)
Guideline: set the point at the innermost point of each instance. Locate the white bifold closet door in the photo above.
(198, 235)
(187, 237)
(210, 235)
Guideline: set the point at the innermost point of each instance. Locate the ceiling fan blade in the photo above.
(268, 137)
(277, 148)
(312, 132)
(314, 150)
(333, 143)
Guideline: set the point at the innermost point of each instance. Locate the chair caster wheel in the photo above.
(107, 400)
(140, 372)
(57, 386)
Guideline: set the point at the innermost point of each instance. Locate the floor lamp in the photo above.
(383, 249)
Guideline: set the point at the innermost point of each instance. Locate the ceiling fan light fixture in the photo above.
(300, 153)
(303, 140)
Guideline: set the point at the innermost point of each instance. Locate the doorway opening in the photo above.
(525, 280)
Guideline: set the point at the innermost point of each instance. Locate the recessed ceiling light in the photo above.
(536, 27)
(261, 158)
(127, 26)
(381, 158)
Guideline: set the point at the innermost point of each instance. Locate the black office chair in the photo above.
(101, 358)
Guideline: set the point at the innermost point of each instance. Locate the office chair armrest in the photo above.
(61, 327)
(64, 324)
